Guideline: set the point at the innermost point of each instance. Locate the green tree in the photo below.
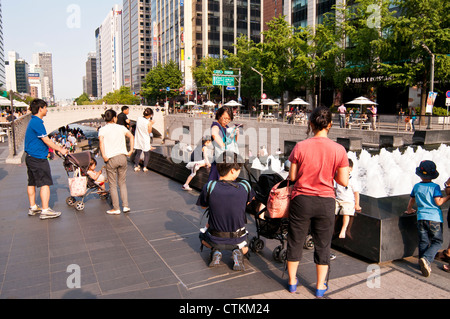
(203, 73)
(121, 96)
(407, 62)
(161, 77)
(82, 99)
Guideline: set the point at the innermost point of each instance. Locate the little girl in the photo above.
(199, 158)
(97, 177)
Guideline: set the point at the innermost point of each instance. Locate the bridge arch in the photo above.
(62, 116)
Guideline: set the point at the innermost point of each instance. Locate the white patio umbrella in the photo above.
(6, 102)
(232, 103)
(209, 104)
(268, 102)
(189, 104)
(362, 101)
(298, 101)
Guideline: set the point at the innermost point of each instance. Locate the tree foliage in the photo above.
(161, 77)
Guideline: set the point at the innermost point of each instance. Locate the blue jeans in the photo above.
(430, 239)
(342, 121)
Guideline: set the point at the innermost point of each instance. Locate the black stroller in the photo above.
(81, 161)
(270, 228)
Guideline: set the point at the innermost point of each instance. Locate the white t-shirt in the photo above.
(114, 139)
(346, 194)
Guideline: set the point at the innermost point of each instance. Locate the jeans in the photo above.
(342, 120)
(116, 169)
(430, 239)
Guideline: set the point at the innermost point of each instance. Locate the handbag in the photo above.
(279, 200)
(77, 184)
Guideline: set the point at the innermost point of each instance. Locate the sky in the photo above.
(65, 28)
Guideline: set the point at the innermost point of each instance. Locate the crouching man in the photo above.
(226, 200)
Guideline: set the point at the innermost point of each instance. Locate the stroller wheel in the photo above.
(256, 245)
(279, 254)
(79, 205)
(276, 253)
(309, 244)
(70, 201)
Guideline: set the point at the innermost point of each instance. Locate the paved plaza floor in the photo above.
(153, 252)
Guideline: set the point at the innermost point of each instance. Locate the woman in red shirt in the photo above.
(315, 163)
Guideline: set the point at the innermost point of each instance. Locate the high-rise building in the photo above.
(2, 51)
(109, 52)
(16, 73)
(137, 42)
(44, 61)
(91, 75)
(98, 50)
(186, 31)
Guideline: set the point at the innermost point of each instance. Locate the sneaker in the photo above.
(126, 209)
(425, 267)
(186, 188)
(137, 169)
(49, 213)
(332, 256)
(145, 169)
(215, 258)
(238, 258)
(34, 210)
(113, 212)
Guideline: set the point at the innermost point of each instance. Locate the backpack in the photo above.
(279, 199)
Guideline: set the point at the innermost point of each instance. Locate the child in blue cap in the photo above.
(428, 197)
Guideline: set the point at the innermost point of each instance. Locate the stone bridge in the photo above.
(62, 116)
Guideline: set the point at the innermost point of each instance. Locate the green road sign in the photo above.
(218, 72)
(223, 80)
(228, 73)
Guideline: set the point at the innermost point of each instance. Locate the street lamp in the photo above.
(262, 80)
(431, 79)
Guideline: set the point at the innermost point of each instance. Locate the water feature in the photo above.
(392, 173)
(385, 172)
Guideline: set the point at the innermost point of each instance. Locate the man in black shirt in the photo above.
(122, 118)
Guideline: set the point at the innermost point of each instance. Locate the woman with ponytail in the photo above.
(315, 163)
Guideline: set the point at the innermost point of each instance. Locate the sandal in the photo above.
(446, 268)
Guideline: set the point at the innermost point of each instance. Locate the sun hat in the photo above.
(427, 170)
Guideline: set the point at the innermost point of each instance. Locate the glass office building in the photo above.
(137, 42)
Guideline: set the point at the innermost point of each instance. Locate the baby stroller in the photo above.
(270, 228)
(81, 161)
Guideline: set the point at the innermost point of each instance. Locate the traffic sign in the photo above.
(218, 72)
(223, 80)
(228, 73)
(447, 94)
(231, 88)
(167, 89)
(264, 96)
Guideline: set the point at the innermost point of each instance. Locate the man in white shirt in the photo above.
(342, 109)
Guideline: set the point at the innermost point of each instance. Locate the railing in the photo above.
(16, 133)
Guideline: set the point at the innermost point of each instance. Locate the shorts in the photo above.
(345, 208)
(38, 170)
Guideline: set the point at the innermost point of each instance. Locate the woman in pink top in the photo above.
(315, 163)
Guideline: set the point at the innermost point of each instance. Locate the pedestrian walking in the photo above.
(114, 152)
(142, 139)
(428, 197)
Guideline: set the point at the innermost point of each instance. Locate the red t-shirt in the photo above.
(318, 159)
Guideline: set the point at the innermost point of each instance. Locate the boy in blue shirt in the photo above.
(227, 201)
(428, 197)
(37, 144)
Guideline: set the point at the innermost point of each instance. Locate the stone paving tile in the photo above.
(153, 252)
